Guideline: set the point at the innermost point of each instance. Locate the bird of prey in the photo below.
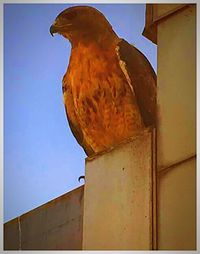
(109, 87)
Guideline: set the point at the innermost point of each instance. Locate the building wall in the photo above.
(176, 139)
(177, 207)
(176, 38)
(173, 28)
(57, 225)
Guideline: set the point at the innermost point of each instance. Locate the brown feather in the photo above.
(143, 80)
(109, 87)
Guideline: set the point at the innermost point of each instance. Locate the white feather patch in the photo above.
(122, 65)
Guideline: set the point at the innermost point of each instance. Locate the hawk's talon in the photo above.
(81, 177)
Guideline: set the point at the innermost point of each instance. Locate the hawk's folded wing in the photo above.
(142, 79)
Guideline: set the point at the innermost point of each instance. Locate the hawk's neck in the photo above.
(103, 41)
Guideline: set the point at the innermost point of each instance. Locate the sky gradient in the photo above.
(42, 159)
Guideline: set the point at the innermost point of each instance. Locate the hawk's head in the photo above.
(81, 23)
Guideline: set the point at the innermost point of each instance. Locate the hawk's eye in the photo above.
(71, 15)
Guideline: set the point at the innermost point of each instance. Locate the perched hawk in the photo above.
(109, 87)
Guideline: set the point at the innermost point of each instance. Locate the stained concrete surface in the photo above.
(118, 197)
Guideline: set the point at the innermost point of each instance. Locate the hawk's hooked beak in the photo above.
(53, 29)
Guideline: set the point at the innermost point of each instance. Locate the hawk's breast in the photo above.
(105, 106)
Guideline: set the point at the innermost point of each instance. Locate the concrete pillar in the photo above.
(118, 207)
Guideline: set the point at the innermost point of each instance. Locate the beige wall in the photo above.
(57, 225)
(177, 207)
(163, 10)
(176, 139)
(176, 36)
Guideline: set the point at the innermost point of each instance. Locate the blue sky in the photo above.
(42, 159)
